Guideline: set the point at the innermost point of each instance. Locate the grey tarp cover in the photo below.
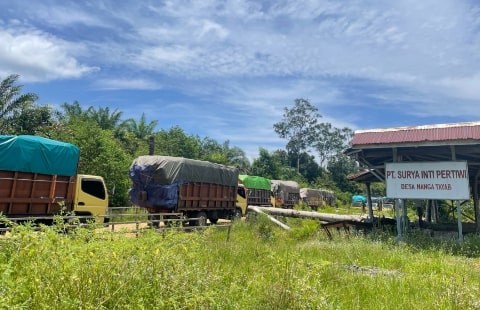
(168, 170)
(160, 177)
(285, 186)
(310, 193)
(36, 154)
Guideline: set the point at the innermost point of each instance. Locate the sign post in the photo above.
(429, 180)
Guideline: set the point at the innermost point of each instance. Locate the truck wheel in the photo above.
(200, 221)
(154, 220)
(237, 214)
(213, 216)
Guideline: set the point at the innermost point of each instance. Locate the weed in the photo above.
(261, 267)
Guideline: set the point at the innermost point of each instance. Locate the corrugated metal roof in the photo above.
(412, 134)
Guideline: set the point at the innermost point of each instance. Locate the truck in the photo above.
(286, 194)
(39, 179)
(312, 197)
(195, 189)
(316, 198)
(253, 191)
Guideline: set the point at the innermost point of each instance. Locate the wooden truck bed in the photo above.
(23, 193)
(195, 195)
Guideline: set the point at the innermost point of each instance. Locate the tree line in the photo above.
(108, 143)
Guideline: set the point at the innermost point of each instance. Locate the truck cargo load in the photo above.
(255, 190)
(286, 193)
(255, 182)
(164, 170)
(38, 155)
(176, 184)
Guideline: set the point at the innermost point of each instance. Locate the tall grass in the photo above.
(260, 267)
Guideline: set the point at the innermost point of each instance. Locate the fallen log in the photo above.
(258, 210)
(326, 217)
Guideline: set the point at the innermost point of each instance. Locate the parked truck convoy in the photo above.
(39, 179)
(254, 191)
(197, 189)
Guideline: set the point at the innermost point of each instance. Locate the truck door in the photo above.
(242, 199)
(91, 196)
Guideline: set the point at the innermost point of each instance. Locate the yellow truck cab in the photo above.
(91, 197)
(241, 199)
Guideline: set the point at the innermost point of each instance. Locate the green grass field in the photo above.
(261, 266)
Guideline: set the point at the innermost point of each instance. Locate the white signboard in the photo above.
(428, 180)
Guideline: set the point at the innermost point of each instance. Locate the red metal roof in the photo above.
(426, 133)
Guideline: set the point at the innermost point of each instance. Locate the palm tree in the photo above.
(72, 110)
(103, 117)
(11, 100)
(140, 129)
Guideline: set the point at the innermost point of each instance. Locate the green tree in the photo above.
(12, 102)
(213, 151)
(175, 142)
(72, 111)
(287, 170)
(103, 117)
(330, 141)
(309, 168)
(100, 154)
(141, 129)
(266, 165)
(238, 159)
(31, 120)
(339, 167)
(298, 126)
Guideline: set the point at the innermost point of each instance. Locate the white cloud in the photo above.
(37, 56)
(134, 83)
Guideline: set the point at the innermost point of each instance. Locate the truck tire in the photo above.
(213, 216)
(200, 221)
(237, 214)
(154, 220)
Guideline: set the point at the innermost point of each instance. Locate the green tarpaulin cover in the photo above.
(38, 155)
(168, 170)
(255, 182)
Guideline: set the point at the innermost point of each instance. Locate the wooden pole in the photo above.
(327, 217)
(258, 210)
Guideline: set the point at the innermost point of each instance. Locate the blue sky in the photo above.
(227, 69)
